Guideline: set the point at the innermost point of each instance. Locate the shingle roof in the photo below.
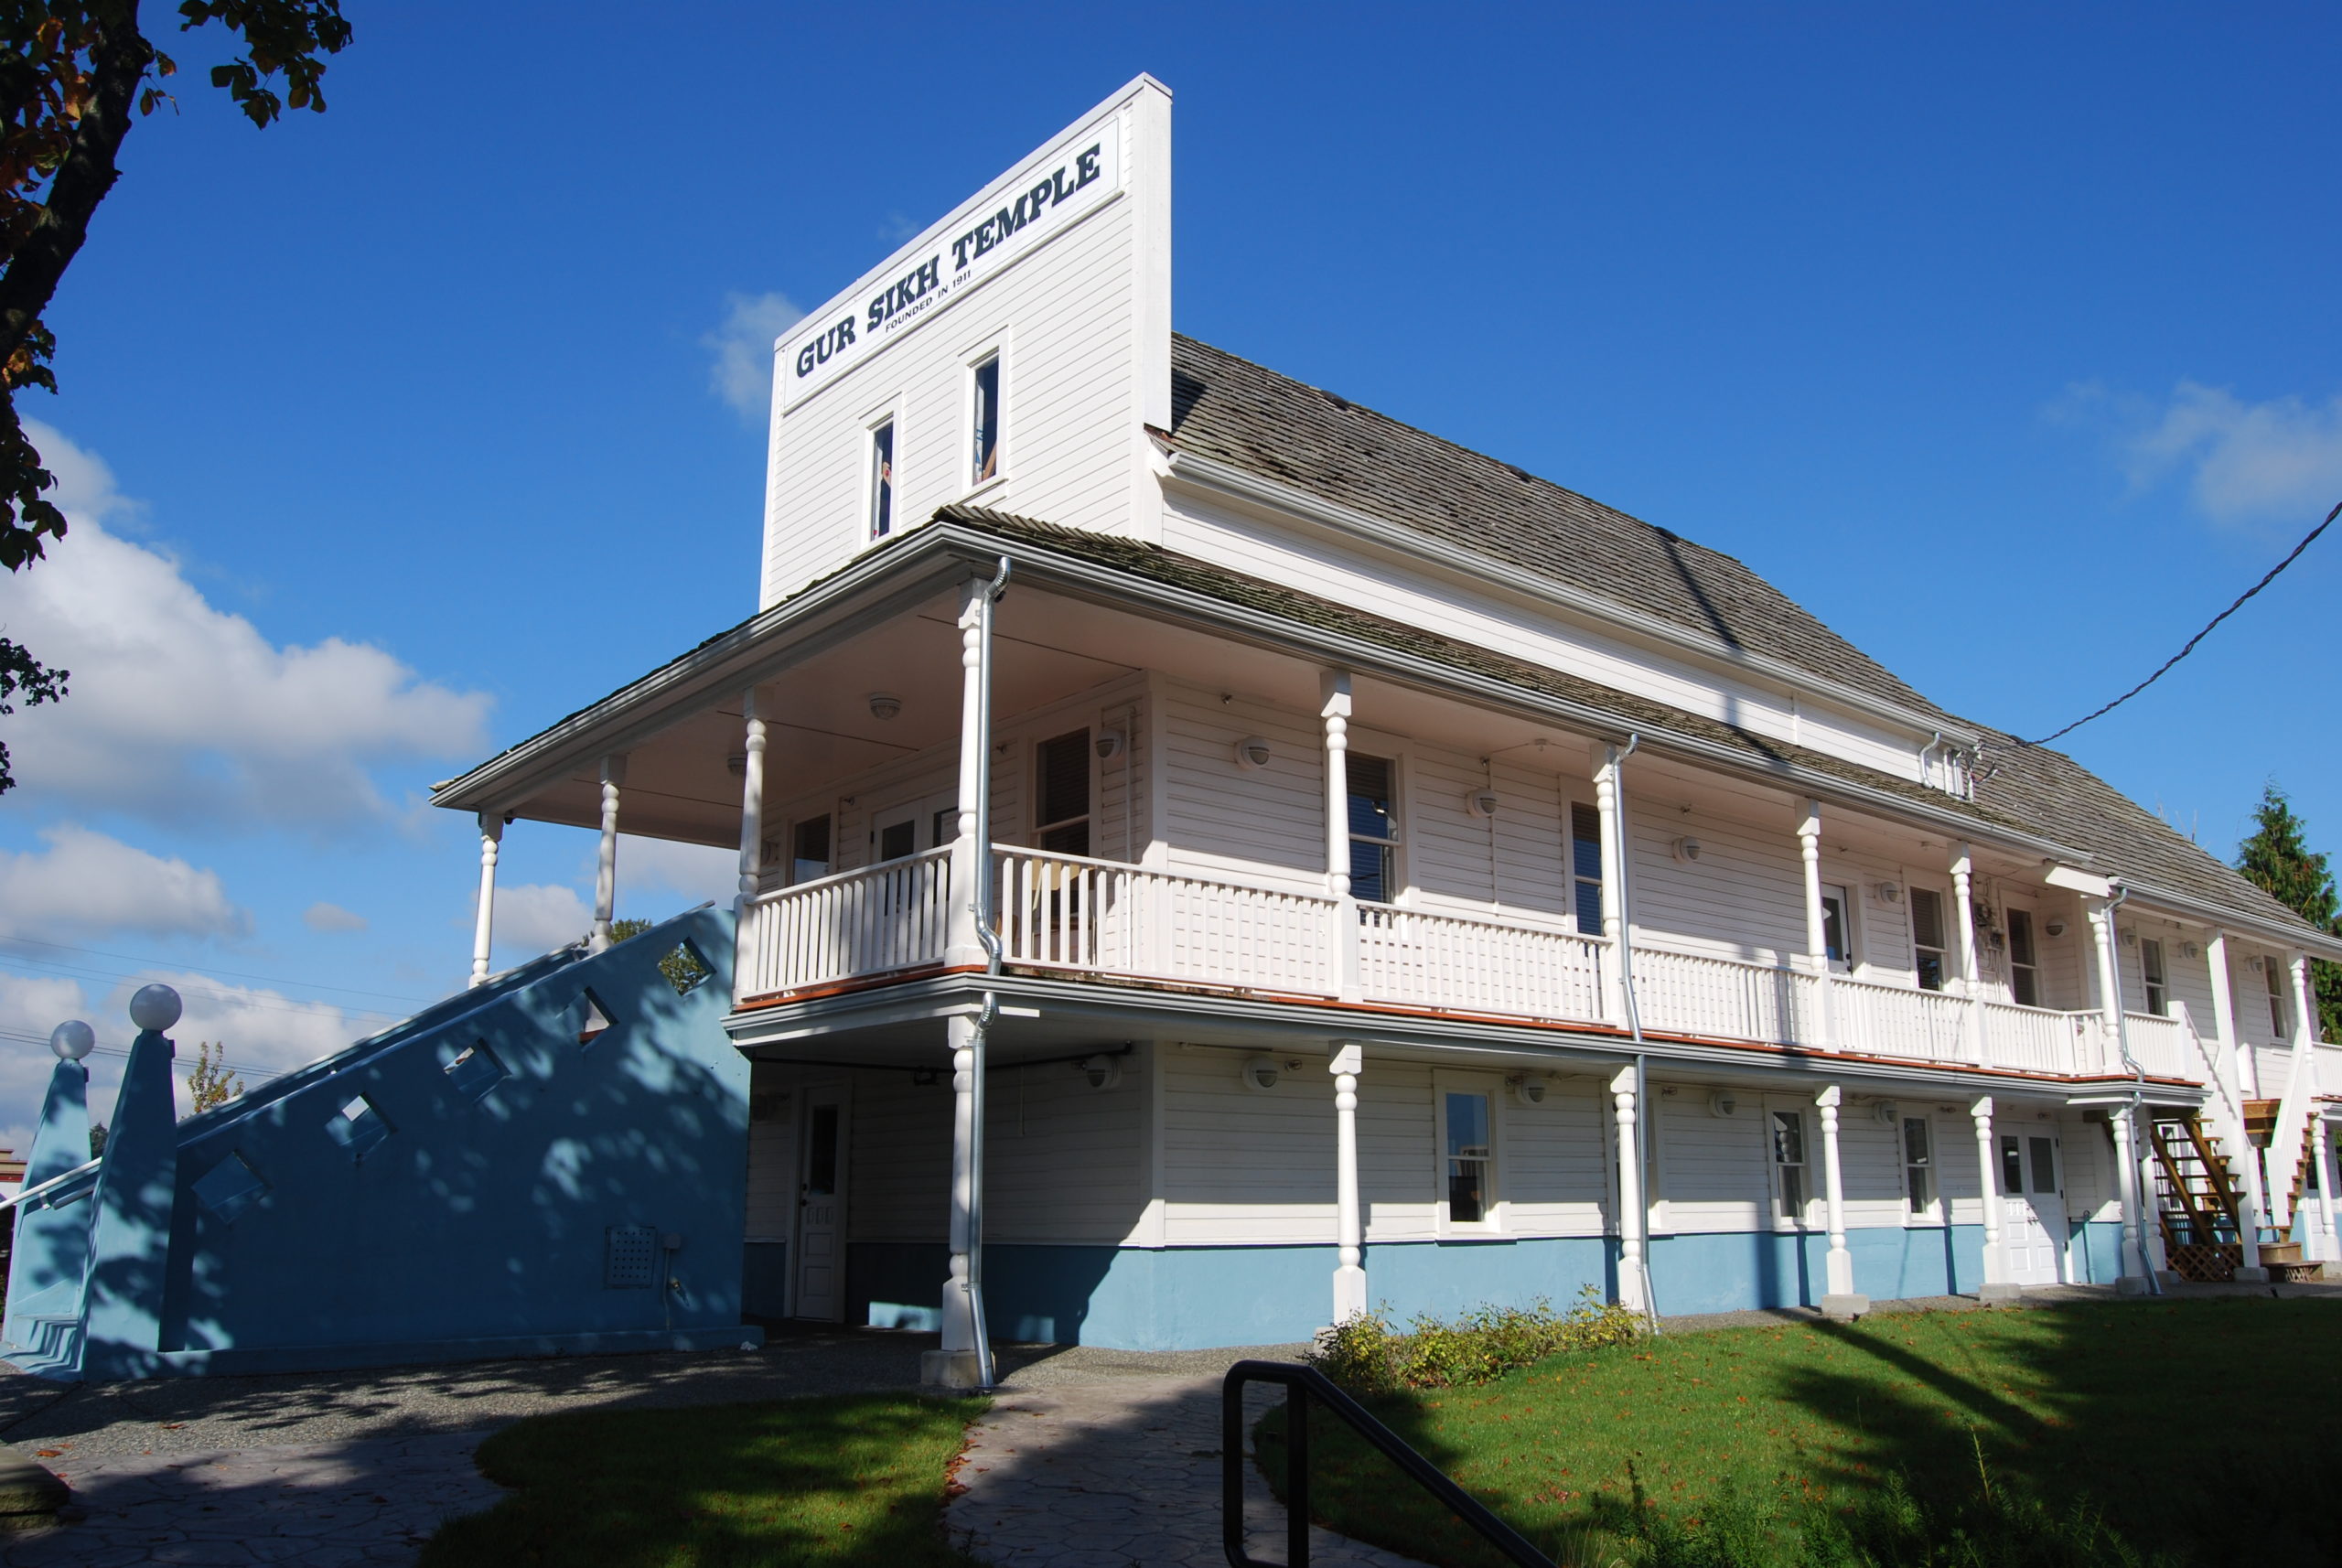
(1241, 413)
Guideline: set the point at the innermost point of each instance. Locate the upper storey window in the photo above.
(1586, 867)
(984, 464)
(1927, 943)
(1374, 830)
(1061, 795)
(882, 480)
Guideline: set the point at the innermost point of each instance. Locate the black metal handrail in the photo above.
(1302, 1385)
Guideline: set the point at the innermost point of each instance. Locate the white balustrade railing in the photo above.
(1075, 914)
(1900, 1021)
(1063, 911)
(887, 916)
(1724, 998)
(1431, 960)
(2031, 1039)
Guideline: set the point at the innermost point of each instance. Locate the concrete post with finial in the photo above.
(51, 1260)
(130, 1239)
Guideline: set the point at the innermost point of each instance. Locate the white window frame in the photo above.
(1929, 1215)
(1570, 809)
(866, 480)
(1399, 752)
(2009, 909)
(1089, 726)
(2275, 977)
(2149, 982)
(1950, 950)
(1809, 1133)
(1496, 1221)
(1849, 930)
(1004, 450)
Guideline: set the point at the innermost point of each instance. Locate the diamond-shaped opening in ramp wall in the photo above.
(358, 1127)
(476, 1071)
(685, 970)
(229, 1187)
(593, 1018)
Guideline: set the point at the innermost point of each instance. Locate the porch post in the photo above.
(491, 834)
(606, 866)
(2126, 1181)
(1350, 1273)
(752, 845)
(962, 947)
(1614, 884)
(2305, 1062)
(956, 1363)
(1816, 938)
(2322, 1151)
(1336, 710)
(1632, 1217)
(2243, 1081)
(1964, 893)
(1839, 1269)
(1996, 1286)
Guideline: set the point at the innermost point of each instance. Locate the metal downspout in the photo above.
(2139, 1175)
(980, 898)
(1634, 1025)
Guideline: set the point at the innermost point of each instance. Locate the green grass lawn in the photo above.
(2202, 1433)
(821, 1482)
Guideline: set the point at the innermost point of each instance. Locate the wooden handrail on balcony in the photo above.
(1078, 914)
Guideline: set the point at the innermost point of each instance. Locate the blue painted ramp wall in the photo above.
(478, 1181)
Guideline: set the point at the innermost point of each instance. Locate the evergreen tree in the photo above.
(2277, 859)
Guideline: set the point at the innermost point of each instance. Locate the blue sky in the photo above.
(2004, 338)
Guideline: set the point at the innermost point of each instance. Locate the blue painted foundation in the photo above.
(2097, 1251)
(480, 1181)
(1182, 1298)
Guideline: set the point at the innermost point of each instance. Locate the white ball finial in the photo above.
(154, 1007)
(72, 1040)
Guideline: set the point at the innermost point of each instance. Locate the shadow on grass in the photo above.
(2181, 1433)
(857, 1479)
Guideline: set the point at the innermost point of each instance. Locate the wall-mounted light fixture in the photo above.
(2055, 927)
(1890, 892)
(1886, 1111)
(1481, 803)
(1261, 1072)
(1101, 1073)
(885, 705)
(1109, 744)
(1686, 850)
(2189, 949)
(1252, 752)
(1527, 1088)
(1723, 1102)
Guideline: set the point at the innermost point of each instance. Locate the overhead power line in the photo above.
(205, 969)
(2238, 604)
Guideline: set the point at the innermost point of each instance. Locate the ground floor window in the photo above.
(1469, 1137)
(1918, 1165)
(1788, 1166)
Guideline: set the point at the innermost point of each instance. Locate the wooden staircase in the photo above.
(2196, 1198)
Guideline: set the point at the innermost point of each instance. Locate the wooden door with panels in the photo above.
(2033, 1206)
(821, 1207)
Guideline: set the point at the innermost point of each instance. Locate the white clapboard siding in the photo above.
(1715, 1174)
(1265, 825)
(898, 1156)
(1743, 898)
(2091, 1188)
(1553, 1174)
(1243, 1164)
(1064, 318)
(1063, 1162)
(1537, 633)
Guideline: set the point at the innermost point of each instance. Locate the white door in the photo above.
(913, 826)
(821, 1211)
(2033, 1206)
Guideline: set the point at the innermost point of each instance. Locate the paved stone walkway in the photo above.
(334, 1504)
(1116, 1473)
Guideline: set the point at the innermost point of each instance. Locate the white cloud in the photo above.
(742, 372)
(2281, 459)
(539, 917)
(85, 884)
(697, 872)
(180, 711)
(324, 917)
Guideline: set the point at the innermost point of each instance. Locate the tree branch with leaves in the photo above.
(74, 75)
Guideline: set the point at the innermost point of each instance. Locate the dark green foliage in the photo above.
(680, 965)
(23, 675)
(851, 1482)
(2278, 860)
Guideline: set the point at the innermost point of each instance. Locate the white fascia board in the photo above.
(1212, 476)
(2195, 911)
(2073, 879)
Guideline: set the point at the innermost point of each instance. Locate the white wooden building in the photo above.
(1401, 879)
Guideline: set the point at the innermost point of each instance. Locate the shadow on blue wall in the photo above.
(551, 1162)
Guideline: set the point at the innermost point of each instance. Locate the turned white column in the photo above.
(962, 947)
(1997, 1285)
(1963, 896)
(2127, 1187)
(1614, 886)
(1336, 710)
(2109, 981)
(2243, 1085)
(605, 865)
(1349, 1271)
(752, 847)
(1631, 1217)
(2322, 1152)
(1838, 1268)
(1817, 927)
(2305, 1062)
(491, 834)
(959, 1288)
